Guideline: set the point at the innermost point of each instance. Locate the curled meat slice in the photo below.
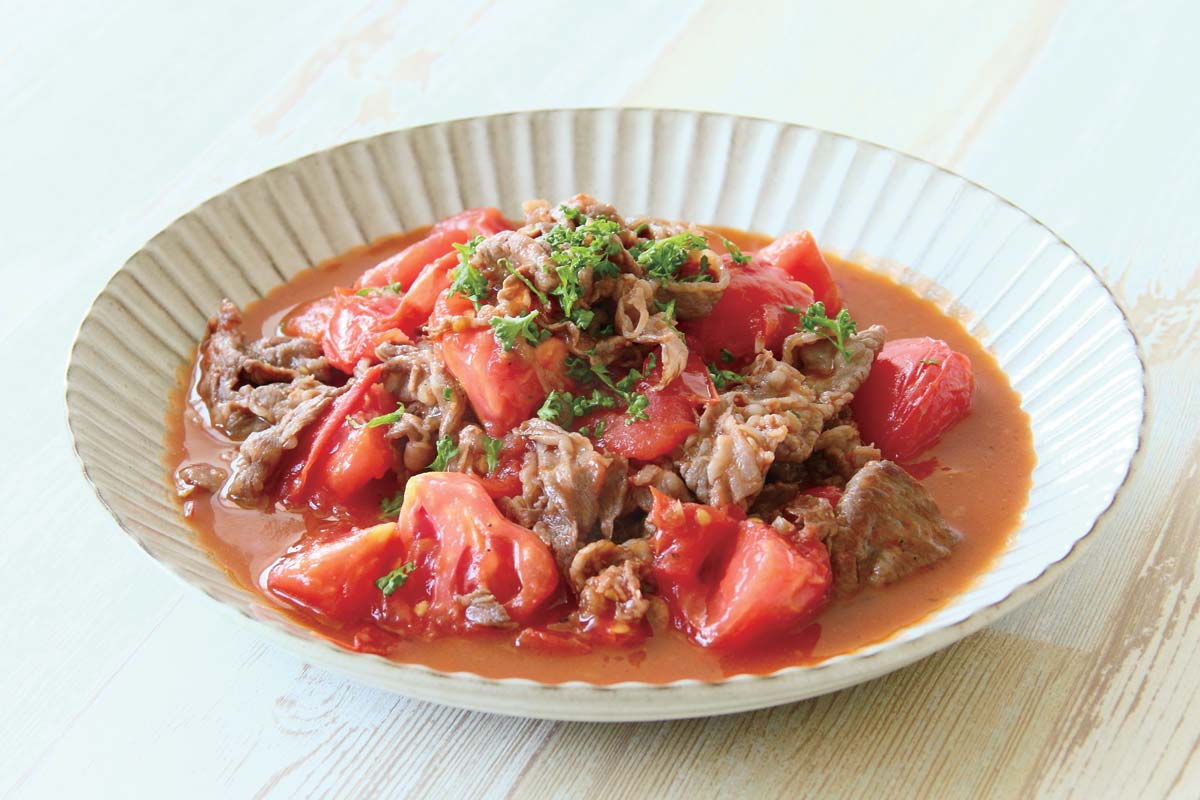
(482, 608)
(434, 403)
(694, 299)
(831, 375)
(522, 253)
(199, 477)
(637, 323)
(609, 578)
(259, 456)
(888, 527)
(570, 491)
(654, 476)
(231, 372)
(726, 461)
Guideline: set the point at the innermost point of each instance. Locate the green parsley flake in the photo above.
(667, 309)
(447, 394)
(636, 409)
(662, 258)
(395, 579)
(447, 450)
(466, 279)
(735, 252)
(391, 288)
(382, 419)
(931, 362)
(722, 377)
(390, 506)
(507, 329)
(491, 452)
(837, 330)
(727, 356)
(504, 262)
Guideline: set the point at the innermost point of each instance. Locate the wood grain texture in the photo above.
(117, 682)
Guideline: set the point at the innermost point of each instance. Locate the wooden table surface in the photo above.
(116, 117)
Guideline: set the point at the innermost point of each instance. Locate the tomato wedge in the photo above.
(404, 267)
(341, 458)
(797, 254)
(731, 582)
(750, 311)
(334, 576)
(504, 388)
(670, 414)
(460, 543)
(917, 390)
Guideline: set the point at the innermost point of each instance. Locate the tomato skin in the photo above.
(797, 254)
(357, 325)
(405, 266)
(751, 308)
(342, 459)
(670, 414)
(916, 391)
(505, 389)
(460, 542)
(335, 577)
(732, 582)
(310, 319)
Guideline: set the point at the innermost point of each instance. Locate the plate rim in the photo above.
(859, 666)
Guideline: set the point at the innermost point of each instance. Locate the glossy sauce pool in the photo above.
(979, 474)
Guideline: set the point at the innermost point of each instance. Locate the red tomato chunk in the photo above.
(917, 390)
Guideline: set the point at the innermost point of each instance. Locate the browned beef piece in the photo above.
(199, 477)
(694, 299)
(231, 371)
(662, 478)
(636, 322)
(837, 455)
(259, 456)
(434, 404)
(610, 578)
(528, 256)
(829, 374)
(888, 526)
(482, 608)
(571, 493)
(771, 416)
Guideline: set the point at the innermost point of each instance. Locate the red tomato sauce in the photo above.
(979, 474)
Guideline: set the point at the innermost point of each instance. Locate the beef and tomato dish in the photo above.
(581, 446)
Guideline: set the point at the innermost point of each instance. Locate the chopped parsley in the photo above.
(662, 258)
(727, 356)
(507, 329)
(735, 252)
(582, 371)
(466, 279)
(447, 394)
(396, 578)
(447, 450)
(722, 377)
(651, 362)
(390, 506)
(491, 452)
(636, 409)
(382, 419)
(556, 408)
(589, 245)
(391, 288)
(504, 262)
(598, 428)
(837, 330)
(667, 309)
(930, 362)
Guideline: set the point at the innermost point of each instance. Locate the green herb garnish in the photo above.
(735, 252)
(727, 356)
(447, 394)
(491, 452)
(390, 506)
(396, 578)
(466, 279)
(662, 258)
(504, 262)
(722, 377)
(507, 329)
(930, 362)
(447, 450)
(836, 330)
(382, 419)
(667, 309)
(391, 288)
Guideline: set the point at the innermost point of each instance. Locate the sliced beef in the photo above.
(694, 299)
(637, 323)
(571, 493)
(199, 477)
(771, 416)
(481, 608)
(231, 371)
(834, 378)
(610, 578)
(261, 453)
(659, 477)
(836, 457)
(888, 526)
(435, 405)
(526, 255)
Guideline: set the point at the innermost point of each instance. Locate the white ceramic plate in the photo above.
(1025, 294)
